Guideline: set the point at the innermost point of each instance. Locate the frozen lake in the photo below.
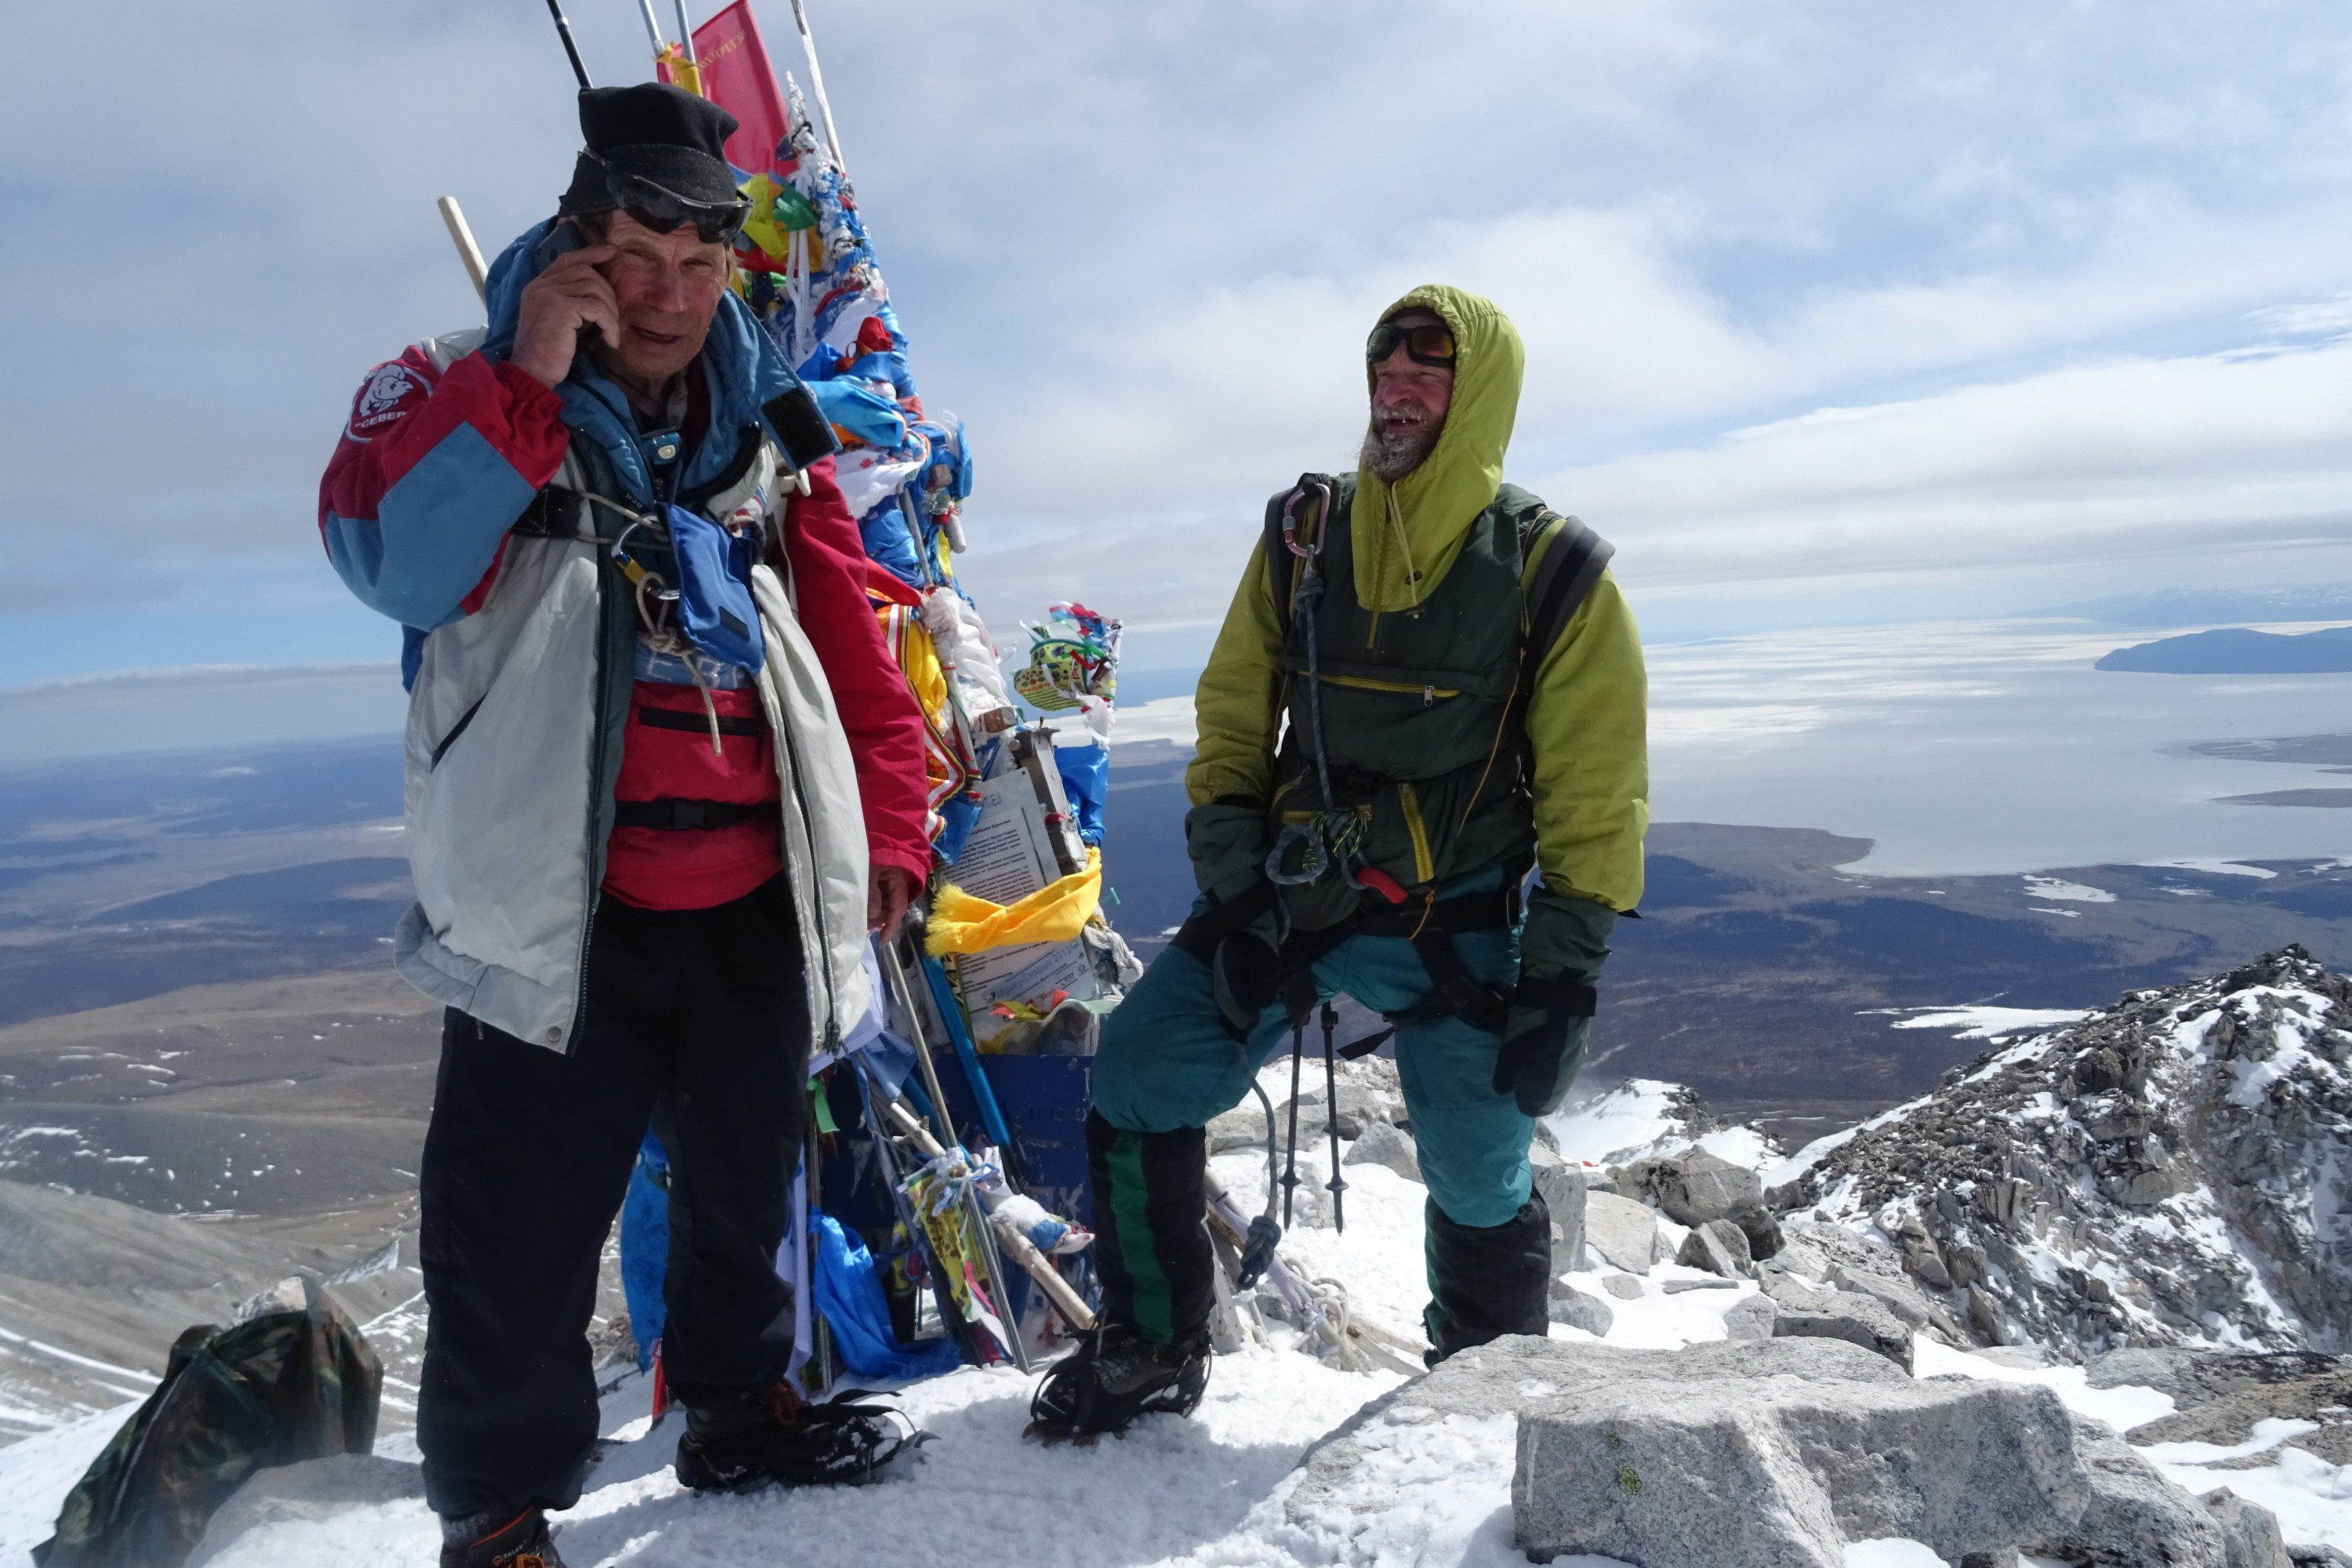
(1985, 747)
(1969, 747)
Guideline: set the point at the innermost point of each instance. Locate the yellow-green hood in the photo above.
(1407, 534)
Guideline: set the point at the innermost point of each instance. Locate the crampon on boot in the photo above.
(779, 1438)
(1114, 1376)
(521, 1542)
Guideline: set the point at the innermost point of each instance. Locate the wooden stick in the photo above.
(467, 251)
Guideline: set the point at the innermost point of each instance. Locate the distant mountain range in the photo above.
(2211, 607)
(2234, 651)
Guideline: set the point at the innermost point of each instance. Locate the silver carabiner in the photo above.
(1290, 522)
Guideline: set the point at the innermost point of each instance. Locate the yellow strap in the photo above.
(962, 923)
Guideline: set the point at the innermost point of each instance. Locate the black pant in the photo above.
(525, 1164)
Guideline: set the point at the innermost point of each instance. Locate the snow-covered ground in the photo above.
(1208, 1491)
(1977, 1023)
(1642, 1117)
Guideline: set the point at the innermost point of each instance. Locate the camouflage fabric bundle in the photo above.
(282, 1386)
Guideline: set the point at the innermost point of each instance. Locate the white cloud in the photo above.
(2128, 456)
(1137, 248)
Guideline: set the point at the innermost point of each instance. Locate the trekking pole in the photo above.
(968, 1056)
(686, 35)
(898, 973)
(1338, 1183)
(467, 251)
(563, 31)
(816, 85)
(976, 1213)
(1290, 1174)
(821, 1355)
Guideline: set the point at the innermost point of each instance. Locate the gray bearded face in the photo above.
(1400, 439)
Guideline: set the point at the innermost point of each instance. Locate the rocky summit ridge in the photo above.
(2175, 1169)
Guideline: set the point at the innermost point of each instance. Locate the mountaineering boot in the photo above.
(1116, 1375)
(521, 1542)
(757, 1440)
(1488, 1281)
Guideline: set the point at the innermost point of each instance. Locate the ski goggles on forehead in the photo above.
(661, 209)
(1427, 342)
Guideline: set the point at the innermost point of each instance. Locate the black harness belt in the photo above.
(685, 816)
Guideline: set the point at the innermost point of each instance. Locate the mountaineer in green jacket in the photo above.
(1465, 701)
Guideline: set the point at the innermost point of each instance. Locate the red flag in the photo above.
(737, 77)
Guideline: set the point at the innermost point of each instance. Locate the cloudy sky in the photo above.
(1835, 311)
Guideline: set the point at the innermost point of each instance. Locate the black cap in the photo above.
(657, 132)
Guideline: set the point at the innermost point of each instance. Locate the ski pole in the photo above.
(563, 31)
(889, 950)
(467, 251)
(967, 1054)
(816, 84)
(1290, 1174)
(821, 1358)
(976, 1215)
(1338, 1183)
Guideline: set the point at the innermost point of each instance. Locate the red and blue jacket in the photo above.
(435, 465)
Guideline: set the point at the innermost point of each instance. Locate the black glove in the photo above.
(1248, 979)
(1543, 1043)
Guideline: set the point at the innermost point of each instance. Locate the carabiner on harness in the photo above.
(1314, 547)
(638, 574)
(1327, 839)
(1313, 860)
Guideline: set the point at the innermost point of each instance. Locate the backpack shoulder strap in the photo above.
(1295, 516)
(1562, 560)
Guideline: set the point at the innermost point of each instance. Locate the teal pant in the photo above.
(1166, 1062)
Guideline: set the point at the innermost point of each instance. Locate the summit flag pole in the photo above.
(686, 35)
(467, 251)
(563, 31)
(816, 85)
(653, 29)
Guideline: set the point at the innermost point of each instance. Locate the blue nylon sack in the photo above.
(644, 1247)
(714, 590)
(1085, 781)
(851, 1299)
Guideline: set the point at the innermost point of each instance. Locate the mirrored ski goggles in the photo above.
(661, 209)
(1429, 342)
